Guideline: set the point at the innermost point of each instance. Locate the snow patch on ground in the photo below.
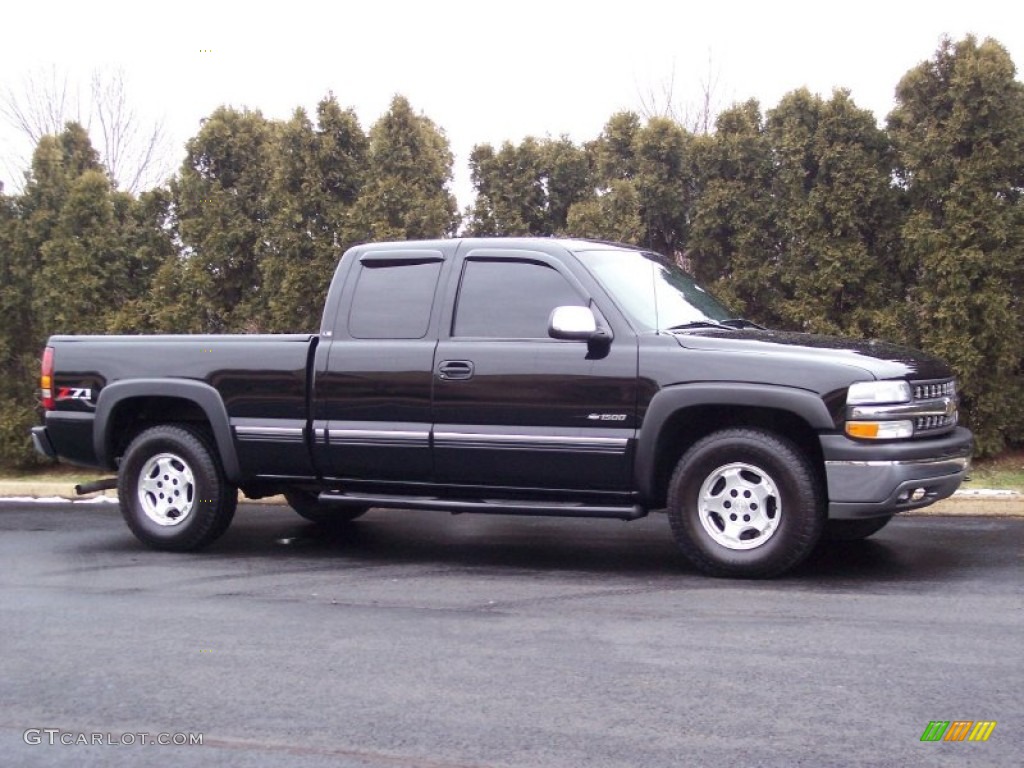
(61, 500)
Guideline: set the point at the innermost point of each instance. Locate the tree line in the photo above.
(807, 216)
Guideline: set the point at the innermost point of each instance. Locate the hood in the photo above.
(878, 358)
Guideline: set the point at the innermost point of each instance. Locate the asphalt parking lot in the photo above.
(425, 639)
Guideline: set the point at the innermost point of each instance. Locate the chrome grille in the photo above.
(935, 391)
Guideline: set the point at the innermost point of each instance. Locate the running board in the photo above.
(495, 506)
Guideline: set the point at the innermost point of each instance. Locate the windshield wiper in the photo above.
(700, 324)
(740, 322)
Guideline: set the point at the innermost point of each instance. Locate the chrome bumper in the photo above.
(866, 480)
(42, 444)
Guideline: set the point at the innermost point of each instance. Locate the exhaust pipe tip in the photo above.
(107, 484)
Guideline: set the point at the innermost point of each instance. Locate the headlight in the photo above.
(876, 410)
(871, 392)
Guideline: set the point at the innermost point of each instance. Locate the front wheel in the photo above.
(172, 491)
(745, 503)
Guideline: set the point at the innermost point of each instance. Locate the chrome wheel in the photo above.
(166, 489)
(739, 506)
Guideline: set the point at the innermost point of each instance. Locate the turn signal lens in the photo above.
(880, 430)
(46, 380)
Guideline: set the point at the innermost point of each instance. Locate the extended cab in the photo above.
(526, 376)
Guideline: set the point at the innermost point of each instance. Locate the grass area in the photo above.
(58, 473)
(1003, 471)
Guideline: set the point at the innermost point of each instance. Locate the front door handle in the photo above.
(455, 370)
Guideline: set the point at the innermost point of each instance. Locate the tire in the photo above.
(307, 505)
(172, 491)
(745, 503)
(854, 530)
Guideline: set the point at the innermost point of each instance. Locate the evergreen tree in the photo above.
(612, 214)
(643, 185)
(837, 216)
(615, 149)
(406, 195)
(28, 224)
(318, 175)
(148, 245)
(734, 245)
(510, 195)
(958, 128)
(527, 189)
(221, 207)
(19, 364)
(665, 184)
(612, 210)
(73, 254)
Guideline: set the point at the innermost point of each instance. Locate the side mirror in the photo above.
(572, 324)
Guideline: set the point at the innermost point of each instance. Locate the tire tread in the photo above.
(809, 522)
(209, 523)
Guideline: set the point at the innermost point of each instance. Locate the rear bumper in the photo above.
(871, 480)
(68, 437)
(42, 444)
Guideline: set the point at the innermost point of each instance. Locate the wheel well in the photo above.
(134, 414)
(688, 425)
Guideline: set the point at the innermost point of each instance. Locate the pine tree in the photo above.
(318, 175)
(74, 253)
(406, 193)
(527, 189)
(958, 128)
(734, 247)
(837, 216)
(18, 361)
(221, 208)
(643, 188)
(664, 183)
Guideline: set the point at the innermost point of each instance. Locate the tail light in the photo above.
(46, 380)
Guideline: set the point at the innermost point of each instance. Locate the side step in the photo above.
(492, 506)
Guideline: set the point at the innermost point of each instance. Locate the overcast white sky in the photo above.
(488, 70)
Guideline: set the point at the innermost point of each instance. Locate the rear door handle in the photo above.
(454, 370)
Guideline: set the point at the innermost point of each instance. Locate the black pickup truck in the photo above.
(525, 376)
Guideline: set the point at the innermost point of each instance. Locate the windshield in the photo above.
(654, 293)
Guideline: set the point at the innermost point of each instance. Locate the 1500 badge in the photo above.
(607, 417)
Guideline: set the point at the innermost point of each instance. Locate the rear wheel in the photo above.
(745, 503)
(307, 505)
(172, 491)
(854, 530)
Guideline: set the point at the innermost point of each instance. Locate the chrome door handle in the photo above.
(455, 370)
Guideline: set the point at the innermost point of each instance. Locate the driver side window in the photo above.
(506, 299)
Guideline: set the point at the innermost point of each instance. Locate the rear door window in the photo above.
(393, 298)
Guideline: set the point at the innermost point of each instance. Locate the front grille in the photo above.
(933, 390)
(939, 393)
(923, 423)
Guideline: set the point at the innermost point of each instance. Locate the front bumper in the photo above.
(876, 479)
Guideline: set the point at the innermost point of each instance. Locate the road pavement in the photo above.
(426, 639)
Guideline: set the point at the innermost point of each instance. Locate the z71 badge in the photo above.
(75, 393)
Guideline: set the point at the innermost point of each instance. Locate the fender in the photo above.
(807, 405)
(197, 392)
